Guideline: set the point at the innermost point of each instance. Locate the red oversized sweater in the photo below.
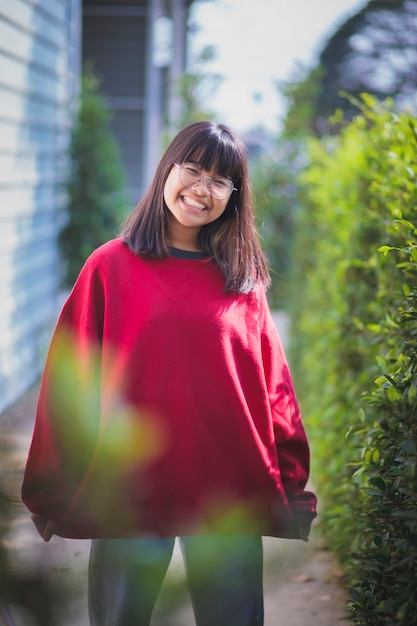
(166, 408)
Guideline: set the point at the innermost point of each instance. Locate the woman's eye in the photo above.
(221, 182)
(192, 170)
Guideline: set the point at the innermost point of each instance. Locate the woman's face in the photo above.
(191, 207)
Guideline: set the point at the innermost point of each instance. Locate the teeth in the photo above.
(194, 204)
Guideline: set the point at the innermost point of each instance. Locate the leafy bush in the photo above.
(355, 356)
(277, 196)
(95, 183)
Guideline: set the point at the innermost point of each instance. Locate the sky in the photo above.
(258, 43)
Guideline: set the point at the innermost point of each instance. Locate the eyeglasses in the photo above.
(219, 187)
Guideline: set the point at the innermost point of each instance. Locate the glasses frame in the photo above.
(202, 176)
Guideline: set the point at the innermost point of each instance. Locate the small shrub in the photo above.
(95, 183)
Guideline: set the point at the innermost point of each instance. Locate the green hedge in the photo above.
(354, 353)
(95, 184)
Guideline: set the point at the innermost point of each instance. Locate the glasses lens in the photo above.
(219, 187)
(189, 176)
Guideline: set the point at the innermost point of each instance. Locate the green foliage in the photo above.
(360, 56)
(277, 196)
(354, 351)
(302, 93)
(362, 50)
(95, 183)
(388, 551)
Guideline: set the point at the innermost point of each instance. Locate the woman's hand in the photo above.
(303, 524)
(304, 532)
(45, 528)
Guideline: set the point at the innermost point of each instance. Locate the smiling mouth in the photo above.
(193, 204)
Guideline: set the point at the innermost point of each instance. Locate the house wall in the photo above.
(115, 41)
(137, 48)
(39, 65)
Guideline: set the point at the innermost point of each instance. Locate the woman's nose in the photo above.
(204, 185)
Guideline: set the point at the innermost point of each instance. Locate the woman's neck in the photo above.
(187, 239)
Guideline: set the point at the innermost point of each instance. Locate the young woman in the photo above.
(166, 406)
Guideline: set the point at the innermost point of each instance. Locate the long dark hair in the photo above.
(231, 240)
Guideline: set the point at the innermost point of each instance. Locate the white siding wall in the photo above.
(39, 52)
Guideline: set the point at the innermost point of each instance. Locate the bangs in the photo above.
(216, 152)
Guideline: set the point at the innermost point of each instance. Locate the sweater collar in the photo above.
(186, 254)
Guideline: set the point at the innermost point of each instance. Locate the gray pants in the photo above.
(224, 579)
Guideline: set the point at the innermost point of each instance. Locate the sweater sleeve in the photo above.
(68, 409)
(290, 437)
